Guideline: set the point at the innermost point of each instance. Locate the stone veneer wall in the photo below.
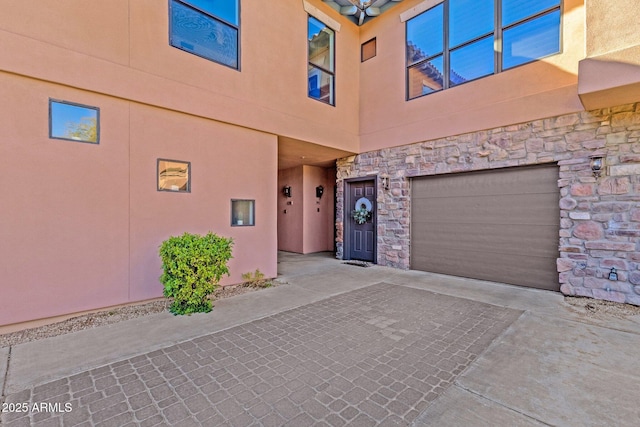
(600, 219)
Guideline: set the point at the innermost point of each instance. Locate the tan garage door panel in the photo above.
(500, 225)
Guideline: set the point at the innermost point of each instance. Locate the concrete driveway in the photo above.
(339, 345)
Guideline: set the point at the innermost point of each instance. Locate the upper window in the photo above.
(207, 28)
(368, 50)
(462, 40)
(321, 61)
(74, 122)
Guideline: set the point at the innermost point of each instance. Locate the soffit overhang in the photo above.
(610, 79)
(294, 152)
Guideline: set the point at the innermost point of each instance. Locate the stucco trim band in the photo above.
(317, 13)
(417, 10)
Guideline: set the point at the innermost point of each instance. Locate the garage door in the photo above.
(500, 225)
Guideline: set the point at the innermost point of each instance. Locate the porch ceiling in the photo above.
(360, 11)
(293, 152)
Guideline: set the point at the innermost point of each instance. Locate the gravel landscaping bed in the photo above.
(111, 316)
(601, 309)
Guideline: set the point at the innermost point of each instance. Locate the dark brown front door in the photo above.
(361, 236)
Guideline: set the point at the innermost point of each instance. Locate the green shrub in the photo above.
(193, 266)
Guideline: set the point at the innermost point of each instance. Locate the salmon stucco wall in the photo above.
(121, 48)
(611, 29)
(610, 75)
(307, 224)
(290, 211)
(83, 222)
(227, 163)
(540, 89)
(318, 235)
(65, 206)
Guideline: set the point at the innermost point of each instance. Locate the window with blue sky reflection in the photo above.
(74, 122)
(458, 41)
(469, 20)
(226, 10)
(207, 28)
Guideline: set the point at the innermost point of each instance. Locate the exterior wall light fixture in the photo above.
(385, 181)
(597, 164)
(319, 191)
(286, 191)
(613, 274)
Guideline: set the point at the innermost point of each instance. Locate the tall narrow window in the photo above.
(425, 47)
(206, 28)
(471, 35)
(74, 122)
(321, 61)
(458, 41)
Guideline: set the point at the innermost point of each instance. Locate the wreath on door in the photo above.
(362, 211)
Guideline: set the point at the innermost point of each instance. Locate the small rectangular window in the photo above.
(174, 175)
(74, 122)
(243, 212)
(368, 50)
